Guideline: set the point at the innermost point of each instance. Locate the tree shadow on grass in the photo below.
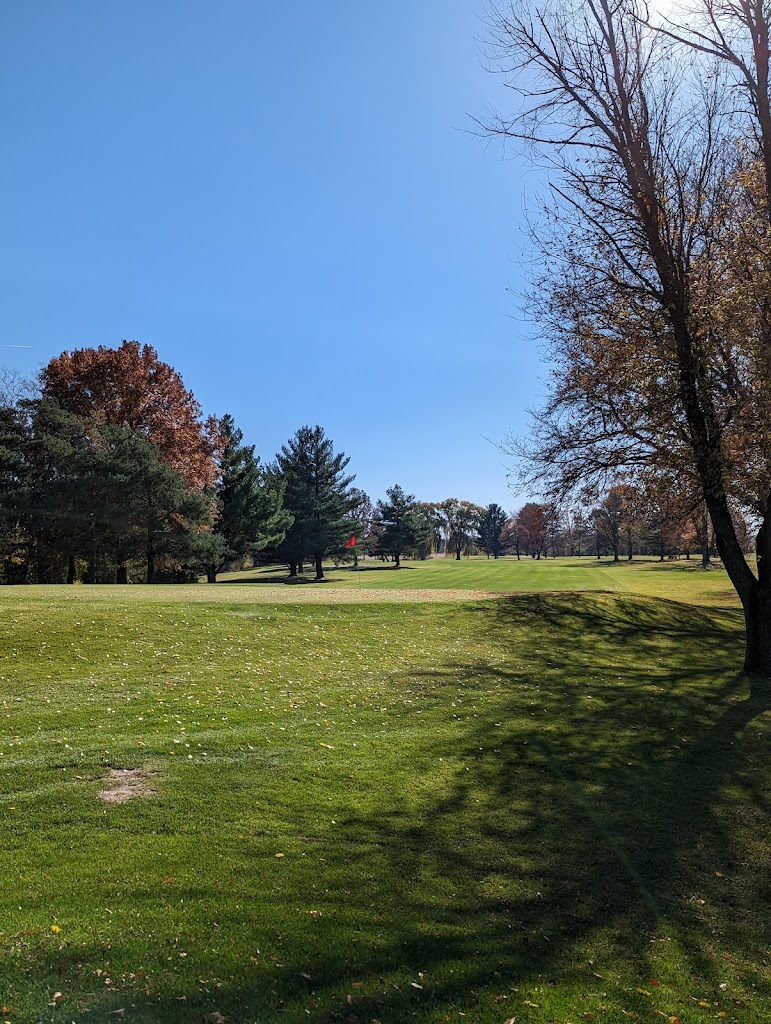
(683, 565)
(279, 579)
(592, 817)
(280, 576)
(624, 820)
(596, 817)
(386, 567)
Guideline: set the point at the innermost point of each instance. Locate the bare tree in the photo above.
(14, 386)
(657, 249)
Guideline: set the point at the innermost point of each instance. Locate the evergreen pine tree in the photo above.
(146, 508)
(317, 495)
(14, 538)
(399, 529)
(250, 513)
(491, 524)
(54, 500)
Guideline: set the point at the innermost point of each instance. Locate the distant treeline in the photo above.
(109, 472)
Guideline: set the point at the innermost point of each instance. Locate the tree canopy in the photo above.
(249, 504)
(490, 530)
(459, 520)
(399, 528)
(130, 386)
(114, 465)
(655, 296)
(317, 494)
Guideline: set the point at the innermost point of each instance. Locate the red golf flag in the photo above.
(351, 543)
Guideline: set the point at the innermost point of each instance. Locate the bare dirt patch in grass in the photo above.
(126, 784)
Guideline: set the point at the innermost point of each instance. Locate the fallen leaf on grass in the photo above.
(279, 855)
(216, 1018)
(643, 991)
(56, 998)
(415, 984)
(535, 1005)
(55, 929)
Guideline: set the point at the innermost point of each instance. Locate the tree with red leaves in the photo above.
(130, 387)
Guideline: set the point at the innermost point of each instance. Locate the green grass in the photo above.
(683, 579)
(547, 806)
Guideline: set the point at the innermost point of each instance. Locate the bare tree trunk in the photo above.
(701, 522)
(91, 567)
(756, 603)
(757, 620)
(319, 567)
(41, 569)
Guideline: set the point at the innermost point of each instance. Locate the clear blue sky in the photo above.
(284, 201)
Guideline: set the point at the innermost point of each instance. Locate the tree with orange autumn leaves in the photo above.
(131, 387)
(114, 467)
(655, 297)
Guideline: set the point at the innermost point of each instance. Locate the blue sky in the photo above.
(285, 201)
